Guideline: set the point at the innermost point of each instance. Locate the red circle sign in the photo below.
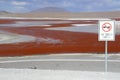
(106, 27)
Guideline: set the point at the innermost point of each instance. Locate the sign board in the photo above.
(106, 30)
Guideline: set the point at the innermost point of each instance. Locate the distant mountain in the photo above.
(53, 12)
(4, 12)
(50, 10)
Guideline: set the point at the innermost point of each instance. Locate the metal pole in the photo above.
(106, 56)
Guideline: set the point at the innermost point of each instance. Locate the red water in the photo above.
(72, 42)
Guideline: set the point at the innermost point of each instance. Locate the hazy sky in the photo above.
(71, 5)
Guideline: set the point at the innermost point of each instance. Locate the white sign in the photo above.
(106, 31)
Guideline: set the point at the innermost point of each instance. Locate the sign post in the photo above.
(106, 56)
(106, 33)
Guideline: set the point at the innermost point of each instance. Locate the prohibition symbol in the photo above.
(106, 27)
(106, 30)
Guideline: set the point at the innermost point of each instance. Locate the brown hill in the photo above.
(50, 10)
(61, 13)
